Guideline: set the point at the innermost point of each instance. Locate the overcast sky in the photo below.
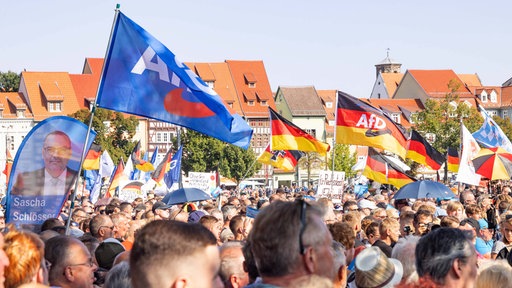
(329, 44)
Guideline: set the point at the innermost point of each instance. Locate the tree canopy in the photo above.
(202, 153)
(114, 131)
(344, 160)
(9, 81)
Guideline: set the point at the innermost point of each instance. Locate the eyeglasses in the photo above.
(303, 223)
(424, 225)
(89, 263)
(60, 151)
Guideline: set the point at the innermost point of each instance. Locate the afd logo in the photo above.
(373, 122)
(159, 66)
(174, 103)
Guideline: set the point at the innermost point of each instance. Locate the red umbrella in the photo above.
(493, 163)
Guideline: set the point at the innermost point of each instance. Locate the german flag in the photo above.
(453, 159)
(281, 159)
(359, 123)
(380, 170)
(287, 136)
(92, 159)
(138, 162)
(116, 179)
(162, 168)
(422, 152)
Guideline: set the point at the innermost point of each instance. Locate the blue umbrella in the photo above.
(424, 189)
(184, 195)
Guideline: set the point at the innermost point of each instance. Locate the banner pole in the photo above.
(93, 110)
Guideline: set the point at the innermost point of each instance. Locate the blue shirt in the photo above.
(483, 247)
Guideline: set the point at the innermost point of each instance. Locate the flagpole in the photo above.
(180, 183)
(334, 144)
(93, 110)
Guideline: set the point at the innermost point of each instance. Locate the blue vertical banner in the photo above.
(45, 170)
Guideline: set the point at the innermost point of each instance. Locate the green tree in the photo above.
(505, 125)
(442, 118)
(344, 160)
(114, 131)
(311, 161)
(202, 153)
(9, 81)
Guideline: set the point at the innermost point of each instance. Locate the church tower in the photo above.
(387, 65)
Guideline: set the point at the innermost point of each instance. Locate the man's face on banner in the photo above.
(56, 153)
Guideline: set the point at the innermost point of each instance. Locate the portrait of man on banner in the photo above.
(55, 178)
(45, 169)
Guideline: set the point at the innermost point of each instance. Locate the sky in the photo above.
(328, 44)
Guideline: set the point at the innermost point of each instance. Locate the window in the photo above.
(20, 113)
(58, 106)
(395, 117)
(264, 103)
(250, 103)
(252, 85)
(331, 122)
(165, 137)
(158, 137)
(328, 104)
(483, 96)
(493, 96)
(453, 109)
(493, 113)
(54, 106)
(50, 106)
(504, 113)
(311, 132)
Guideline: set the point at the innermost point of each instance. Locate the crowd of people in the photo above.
(255, 239)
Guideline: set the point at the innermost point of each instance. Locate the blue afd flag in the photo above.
(45, 170)
(142, 77)
(173, 175)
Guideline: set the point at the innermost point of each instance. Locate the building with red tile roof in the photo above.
(328, 98)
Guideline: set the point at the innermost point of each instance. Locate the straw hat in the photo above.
(374, 269)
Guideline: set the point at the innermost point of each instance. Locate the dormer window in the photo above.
(396, 117)
(264, 103)
(250, 103)
(252, 85)
(328, 104)
(483, 96)
(55, 106)
(493, 97)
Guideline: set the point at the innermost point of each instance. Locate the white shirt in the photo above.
(55, 186)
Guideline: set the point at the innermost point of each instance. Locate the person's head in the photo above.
(56, 152)
(161, 210)
(372, 232)
(102, 227)
(471, 225)
(122, 224)
(467, 197)
(291, 238)
(389, 230)
(79, 215)
(353, 218)
(403, 251)
(422, 222)
(231, 270)
(26, 253)
(119, 276)
(455, 208)
(473, 211)
(213, 224)
(342, 232)
(406, 223)
(71, 263)
(506, 229)
(495, 276)
(4, 261)
(450, 221)
(447, 256)
(350, 205)
(485, 233)
(379, 214)
(166, 260)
